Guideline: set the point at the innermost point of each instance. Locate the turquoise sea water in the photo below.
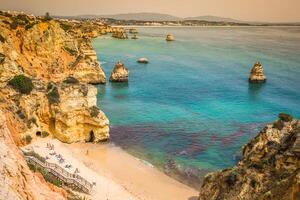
(192, 103)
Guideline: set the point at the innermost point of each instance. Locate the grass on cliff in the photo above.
(21, 83)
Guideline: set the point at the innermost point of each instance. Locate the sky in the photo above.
(248, 10)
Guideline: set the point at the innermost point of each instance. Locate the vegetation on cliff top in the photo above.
(21, 83)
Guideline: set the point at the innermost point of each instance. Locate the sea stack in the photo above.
(170, 38)
(120, 73)
(257, 74)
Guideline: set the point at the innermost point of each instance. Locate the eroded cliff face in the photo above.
(49, 52)
(270, 168)
(16, 180)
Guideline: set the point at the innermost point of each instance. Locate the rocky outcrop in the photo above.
(257, 74)
(170, 38)
(270, 168)
(120, 73)
(119, 33)
(16, 179)
(68, 111)
(76, 117)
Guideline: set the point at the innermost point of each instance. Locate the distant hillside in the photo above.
(214, 19)
(144, 16)
(159, 17)
(136, 16)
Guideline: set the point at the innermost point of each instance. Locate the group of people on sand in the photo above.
(60, 158)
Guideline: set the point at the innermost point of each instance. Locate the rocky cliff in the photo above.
(270, 168)
(16, 180)
(59, 62)
(46, 71)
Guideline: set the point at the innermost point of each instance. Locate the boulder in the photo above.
(120, 73)
(257, 74)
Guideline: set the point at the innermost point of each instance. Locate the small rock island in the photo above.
(143, 61)
(170, 38)
(257, 74)
(119, 73)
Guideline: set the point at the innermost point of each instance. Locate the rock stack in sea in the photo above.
(120, 34)
(170, 38)
(119, 73)
(257, 74)
(269, 169)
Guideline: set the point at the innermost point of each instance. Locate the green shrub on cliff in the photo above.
(71, 80)
(22, 84)
(2, 58)
(94, 111)
(28, 139)
(44, 134)
(2, 39)
(30, 25)
(53, 94)
(285, 117)
(65, 27)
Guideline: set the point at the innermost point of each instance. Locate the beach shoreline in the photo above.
(117, 174)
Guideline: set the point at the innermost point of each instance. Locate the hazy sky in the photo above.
(251, 10)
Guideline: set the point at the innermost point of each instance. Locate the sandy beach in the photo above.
(117, 174)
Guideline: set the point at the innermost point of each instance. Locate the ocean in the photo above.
(192, 103)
